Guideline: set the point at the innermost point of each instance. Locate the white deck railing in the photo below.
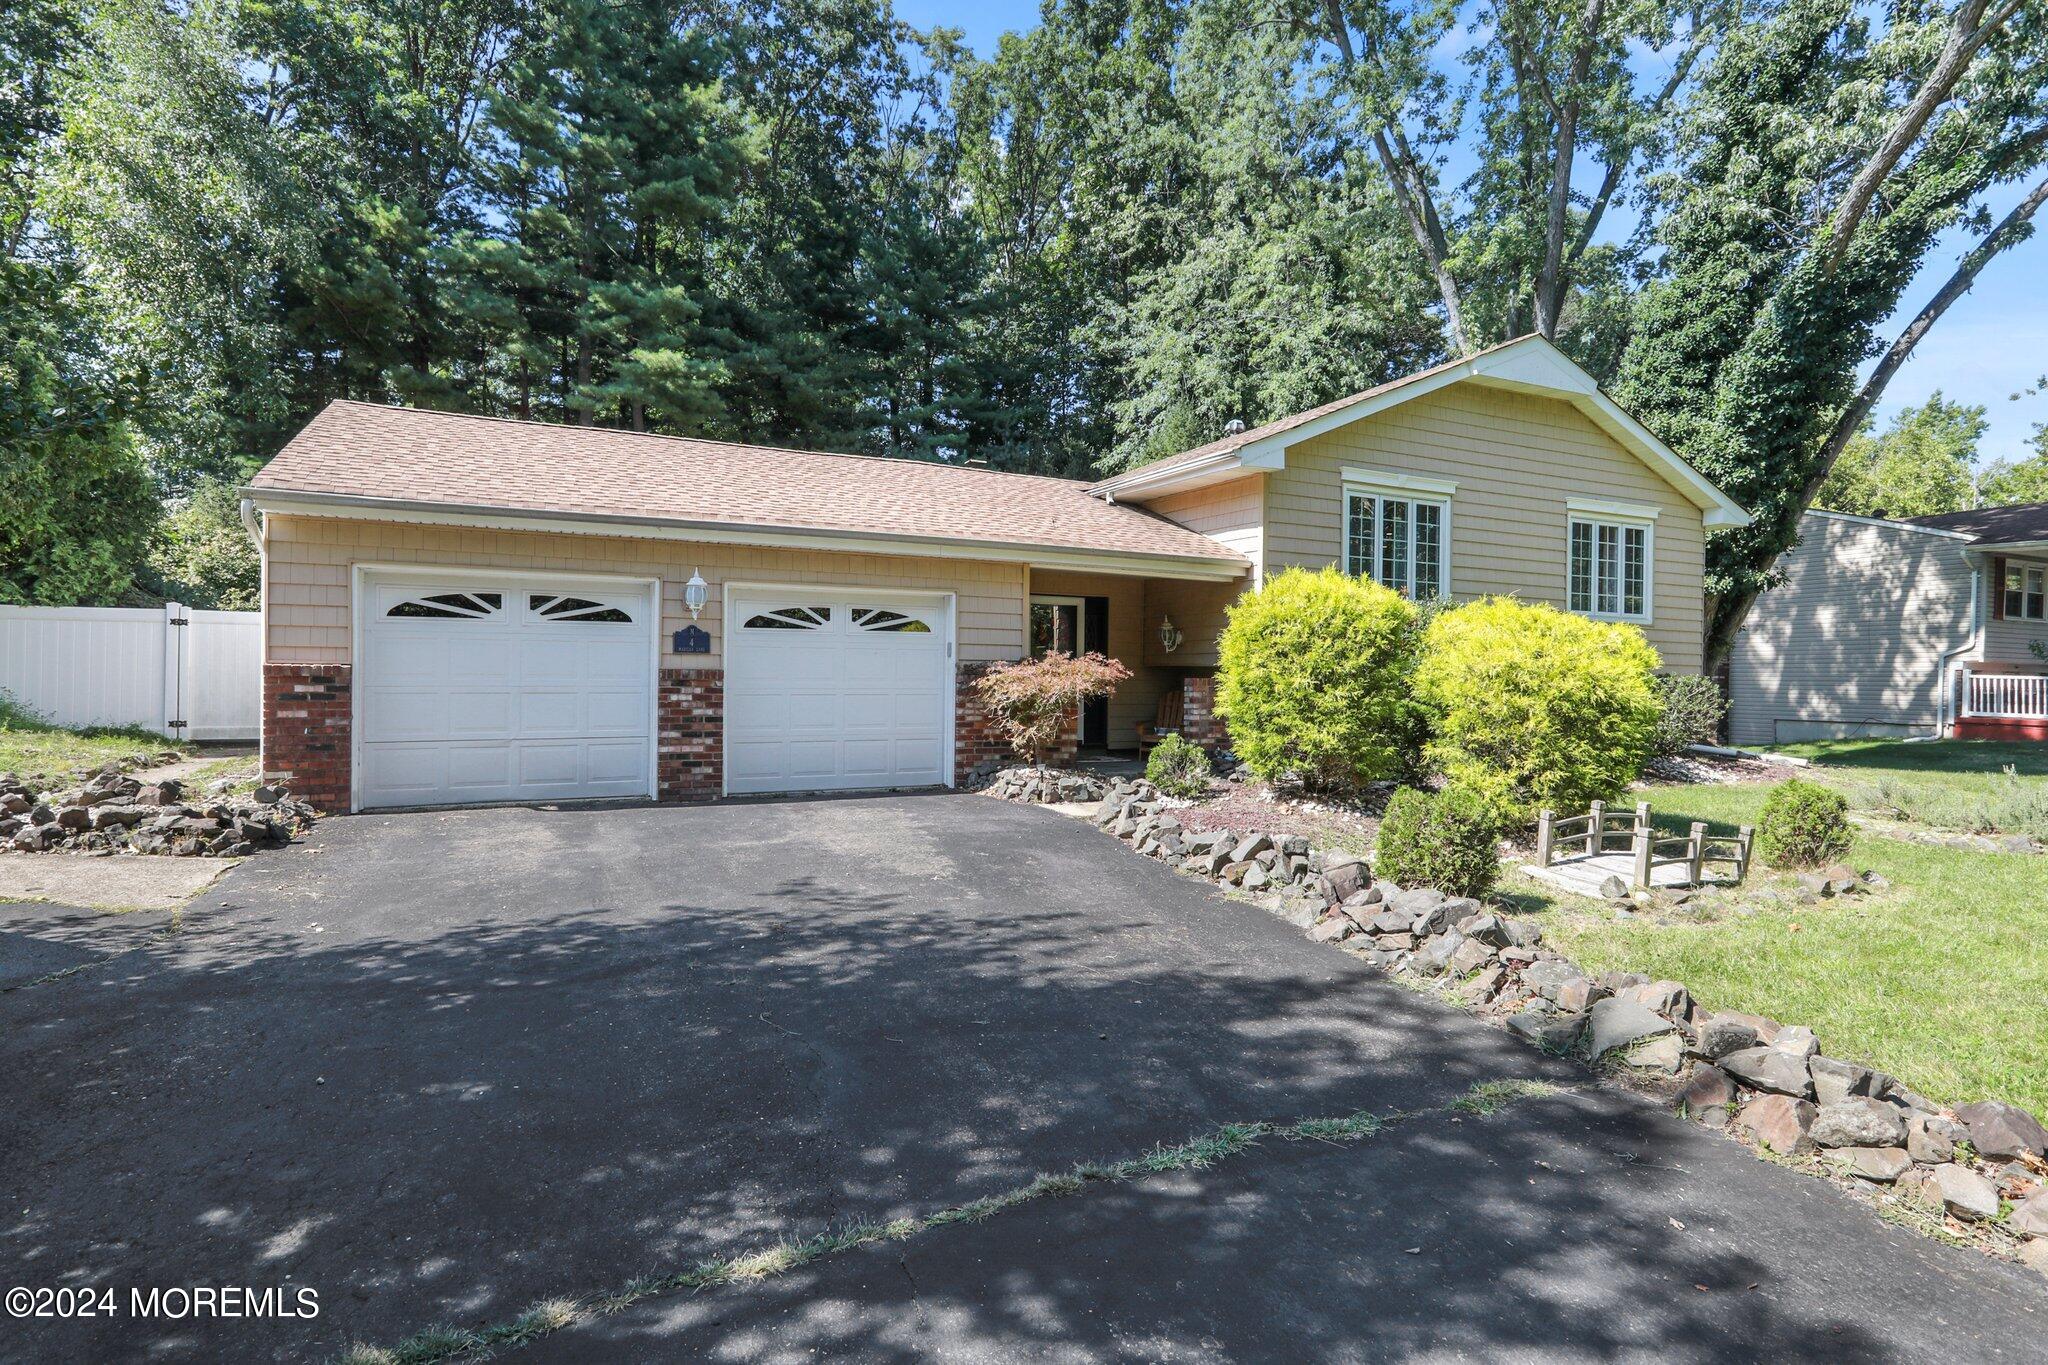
(2005, 696)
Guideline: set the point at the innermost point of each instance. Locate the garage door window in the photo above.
(790, 618)
(893, 622)
(449, 606)
(575, 609)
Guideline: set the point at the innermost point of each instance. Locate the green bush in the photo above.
(1536, 707)
(1449, 840)
(1178, 767)
(1802, 824)
(1693, 707)
(1315, 680)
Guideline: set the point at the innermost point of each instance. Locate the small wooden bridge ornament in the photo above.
(1580, 852)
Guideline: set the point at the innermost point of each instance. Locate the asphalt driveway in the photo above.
(436, 1067)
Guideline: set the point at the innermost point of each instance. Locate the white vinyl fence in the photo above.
(191, 675)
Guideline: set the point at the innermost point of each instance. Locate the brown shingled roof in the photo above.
(2019, 523)
(409, 455)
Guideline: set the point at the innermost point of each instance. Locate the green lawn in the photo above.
(1949, 784)
(39, 751)
(1940, 980)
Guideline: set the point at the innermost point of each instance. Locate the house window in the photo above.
(1609, 573)
(1398, 541)
(2026, 593)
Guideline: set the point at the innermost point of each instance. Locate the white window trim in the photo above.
(1437, 491)
(1648, 615)
(2027, 574)
(1602, 510)
(1384, 481)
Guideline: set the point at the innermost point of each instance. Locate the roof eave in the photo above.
(1223, 567)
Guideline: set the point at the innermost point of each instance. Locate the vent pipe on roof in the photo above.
(1234, 427)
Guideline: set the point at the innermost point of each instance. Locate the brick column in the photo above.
(690, 757)
(307, 722)
(974, 730)
(1198, 723)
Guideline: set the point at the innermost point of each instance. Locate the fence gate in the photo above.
(184, 674)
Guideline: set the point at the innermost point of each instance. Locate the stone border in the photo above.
(114, 813)
(1038, 786)
(1758, 1080)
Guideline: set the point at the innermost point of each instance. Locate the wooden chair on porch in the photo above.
(1166, 722)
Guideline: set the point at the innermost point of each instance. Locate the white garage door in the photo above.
(836, 692)
(513, 690)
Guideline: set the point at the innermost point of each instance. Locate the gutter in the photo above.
(1945, 707)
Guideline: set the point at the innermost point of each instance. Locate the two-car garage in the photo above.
(478, 687)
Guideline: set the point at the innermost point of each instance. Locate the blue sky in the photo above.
(1992, 344)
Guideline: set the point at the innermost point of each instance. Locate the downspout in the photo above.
(1945, 699)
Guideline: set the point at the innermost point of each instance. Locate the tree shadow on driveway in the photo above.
(437, 1067)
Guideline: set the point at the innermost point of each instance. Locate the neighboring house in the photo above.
(1899, 628)
(467, 609)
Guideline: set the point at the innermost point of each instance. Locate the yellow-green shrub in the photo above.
(1314, 679)
(1535, 706)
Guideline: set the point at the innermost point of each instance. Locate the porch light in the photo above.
(696, 593)
(1169, 634)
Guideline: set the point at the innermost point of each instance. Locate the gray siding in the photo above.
(1851, 643)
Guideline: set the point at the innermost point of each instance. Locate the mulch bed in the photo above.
(1244, 806)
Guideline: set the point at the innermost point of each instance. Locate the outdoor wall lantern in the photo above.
(696, 593)
(1169, 634)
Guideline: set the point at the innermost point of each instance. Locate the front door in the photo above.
(1074, 625)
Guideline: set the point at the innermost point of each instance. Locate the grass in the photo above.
(780, 1258)
(38, 751)
(1939, 979)
(1975, 786)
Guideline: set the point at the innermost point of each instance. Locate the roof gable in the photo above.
(1528, 365)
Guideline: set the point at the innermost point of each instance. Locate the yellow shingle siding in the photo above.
(1515, 459)
(309, 560)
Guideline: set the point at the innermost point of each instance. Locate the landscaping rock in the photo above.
(1999, 1129)
(1859, 1122)
(1667, 998)
(1613, 888)
(1553, 1033)
(1779, 1122)
(2030, 1216)
(1347, 879)
(1617, 1023)
(1335, 929)
(1420, 900)
(1666, 1054)
(1521, 933)
(1796, 1040)
(1434, 957)
(1835, 1081)
(1256, 877)
(1881, 1164)
(1717, 1035)
(1961, 1192)
(1546, 976)
(1470, 957)
(1482, 987)
(1709, 1087)
(1764, 1068)
(1250, 847)
(1929, 1140)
